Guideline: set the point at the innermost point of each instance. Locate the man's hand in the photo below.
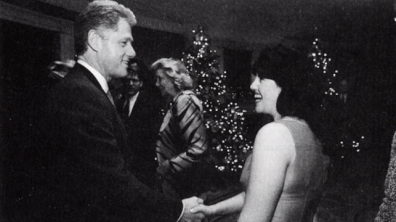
(188, 205)
(208, 211)
(164, 168)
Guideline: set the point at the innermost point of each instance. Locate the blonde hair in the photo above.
(175, 69)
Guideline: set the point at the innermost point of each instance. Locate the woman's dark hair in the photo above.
(302, 86)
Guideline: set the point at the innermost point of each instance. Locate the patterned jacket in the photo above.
(182, 139)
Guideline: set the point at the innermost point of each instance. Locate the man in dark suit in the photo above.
(139, 104)
(81, 174)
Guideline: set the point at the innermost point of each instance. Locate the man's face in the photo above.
(115, 50)
(132, 84)
(343, 86)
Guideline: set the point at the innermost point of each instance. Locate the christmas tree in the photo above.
(224, 119)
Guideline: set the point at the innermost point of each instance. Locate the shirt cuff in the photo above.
(181, 215)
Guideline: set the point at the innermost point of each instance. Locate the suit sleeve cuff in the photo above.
(181, 215)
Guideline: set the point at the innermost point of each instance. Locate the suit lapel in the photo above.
(81, 69)
(136, 105)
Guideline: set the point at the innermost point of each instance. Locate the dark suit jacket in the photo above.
(142, 126)
(81, 173)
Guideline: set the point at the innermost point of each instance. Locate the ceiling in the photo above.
(267, 21)
(251, 23)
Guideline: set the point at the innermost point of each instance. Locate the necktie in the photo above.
(343, 98)
(125, 110)
(110, 97)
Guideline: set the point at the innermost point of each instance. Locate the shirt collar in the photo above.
(136, 95)
(102, 81)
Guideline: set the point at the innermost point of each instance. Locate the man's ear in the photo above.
(94, 40)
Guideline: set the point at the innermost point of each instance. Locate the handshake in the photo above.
(194, 210)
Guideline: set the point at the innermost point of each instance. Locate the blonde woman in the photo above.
(182, 140)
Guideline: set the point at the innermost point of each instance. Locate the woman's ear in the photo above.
(177, 83)
(94, 40)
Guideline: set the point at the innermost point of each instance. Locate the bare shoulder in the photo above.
(273, 129)
(274, 136)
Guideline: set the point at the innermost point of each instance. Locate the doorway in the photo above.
(25, 53)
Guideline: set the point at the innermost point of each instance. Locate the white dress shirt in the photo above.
(101, 79)
(132, 102)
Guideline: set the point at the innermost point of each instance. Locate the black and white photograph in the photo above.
(198, 110)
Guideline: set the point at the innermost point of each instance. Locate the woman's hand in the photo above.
(202, 208)
(164, 168)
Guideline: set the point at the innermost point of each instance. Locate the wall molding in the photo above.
(36, 19)
(31, 18)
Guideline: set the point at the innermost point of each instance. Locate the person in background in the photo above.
(140, 109)
(182, 141)
(59, 69)
(81, 173)
(387, 209)
(283, 177)
(343, 90)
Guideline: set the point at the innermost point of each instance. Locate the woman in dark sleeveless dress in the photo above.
(283, 177)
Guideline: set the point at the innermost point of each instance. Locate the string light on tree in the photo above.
(323, 64)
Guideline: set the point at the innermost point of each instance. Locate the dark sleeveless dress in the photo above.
(304, 177)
